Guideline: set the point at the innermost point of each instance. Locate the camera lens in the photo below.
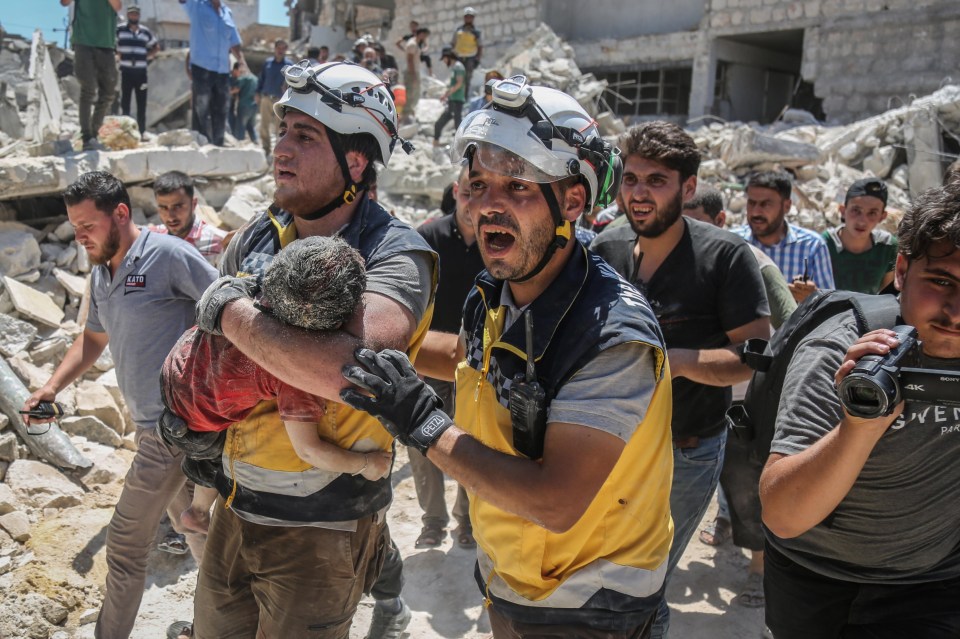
(868, 396)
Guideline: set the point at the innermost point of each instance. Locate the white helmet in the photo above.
(469, 11)
(540, 135)
(345, 97)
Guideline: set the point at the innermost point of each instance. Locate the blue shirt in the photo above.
(212, 34)
(788, 255)
(271, 78)
(144, 308)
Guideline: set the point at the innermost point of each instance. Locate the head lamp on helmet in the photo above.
(349, 100)
(549, 131)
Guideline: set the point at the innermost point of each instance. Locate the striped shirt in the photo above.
(134, 46)
(798, 245)
(207, 238)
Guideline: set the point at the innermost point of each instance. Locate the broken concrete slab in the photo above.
(75, 285)
(95, 400)
(923, 140)
(19, 253)
(38, 484)
(749, 147)
(44, 102)
(10, 122)
(8, 501)
(92, 428)
(181, 137)
(49, 175)
(15, 335)
(17, 525)
(33, 304)
(9, 449)
(168, 87)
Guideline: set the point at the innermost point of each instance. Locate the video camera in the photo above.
(879, 382)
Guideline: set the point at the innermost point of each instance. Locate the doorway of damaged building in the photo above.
(757, 77)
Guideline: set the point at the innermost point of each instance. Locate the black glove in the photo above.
(194, 444)
(404, 404)
(219, 294)
(202, 472)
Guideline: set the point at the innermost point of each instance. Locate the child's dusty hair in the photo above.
(315, 283)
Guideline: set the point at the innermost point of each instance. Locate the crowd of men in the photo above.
(575, 384)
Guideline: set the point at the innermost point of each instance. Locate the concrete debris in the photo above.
(73, 284)
(8, 501)
(50, 175)
(748, 147)
(95, 400)
(19, 253)
(181, 137)
(244, 203)
(42, 486)
(15, 335)
(168, 87)
(44, 102)
(33, 304)
(17, 525)
(8, 447)
(92, 428)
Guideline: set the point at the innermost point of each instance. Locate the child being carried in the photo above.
(314, 283)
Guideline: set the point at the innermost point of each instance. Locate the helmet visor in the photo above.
(505, 144)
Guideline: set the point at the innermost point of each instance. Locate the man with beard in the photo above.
(177, 208)
(275, 564)
(707, 292)
(563, 400)
(143, 292)
(800, 254)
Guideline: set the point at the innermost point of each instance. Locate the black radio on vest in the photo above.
(528, 404)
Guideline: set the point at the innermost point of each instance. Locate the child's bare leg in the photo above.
(197, 516)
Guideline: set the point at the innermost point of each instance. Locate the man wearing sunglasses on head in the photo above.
(562, 437)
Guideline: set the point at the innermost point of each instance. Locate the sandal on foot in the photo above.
(716, 532)
(430, 537)
(752, 594)
(465, 538)
(174, 543)
(180, 629)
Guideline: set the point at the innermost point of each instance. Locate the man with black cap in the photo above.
(136, 47)
(861, 254)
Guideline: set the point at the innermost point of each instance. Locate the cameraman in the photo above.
(863, 516)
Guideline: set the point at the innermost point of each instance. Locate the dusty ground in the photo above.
(69, 562)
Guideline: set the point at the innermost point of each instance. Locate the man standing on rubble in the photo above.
(467, 45)
(136, 47)
(213, 37)
(260, 574)
(143, 291)
(800, 254)
(94, 36)
(270, 87)
(177, 208)
(566, 459)
(707, 292)
(411, 74)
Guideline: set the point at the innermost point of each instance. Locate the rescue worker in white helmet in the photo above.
(275, 565)
(562, 433)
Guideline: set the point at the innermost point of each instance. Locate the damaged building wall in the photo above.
(736, 59)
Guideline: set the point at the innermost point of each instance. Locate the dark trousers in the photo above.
(244, 123)
(802, 604)
(506, 628)
(454, 111)
(96, 70)
(469, 65)
(390, 582)
(134, 81)
(211, 102)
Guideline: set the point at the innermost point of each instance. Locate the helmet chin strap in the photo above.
(350, 187)
(562, 232)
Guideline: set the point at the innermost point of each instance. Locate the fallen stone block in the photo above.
(17, 525)
(242, 206)
(44, 101)
(75, 285)
(91, 428)
(750, 147)
(181, 137)
(95, 400)
(33, 304)
(15, 335)
(8, 501)
(108, 466)
(39, 484)
(19, 253)
(9, 450)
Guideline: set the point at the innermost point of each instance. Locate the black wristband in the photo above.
(428, 431)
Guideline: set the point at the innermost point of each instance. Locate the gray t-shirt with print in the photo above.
(900, 522)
